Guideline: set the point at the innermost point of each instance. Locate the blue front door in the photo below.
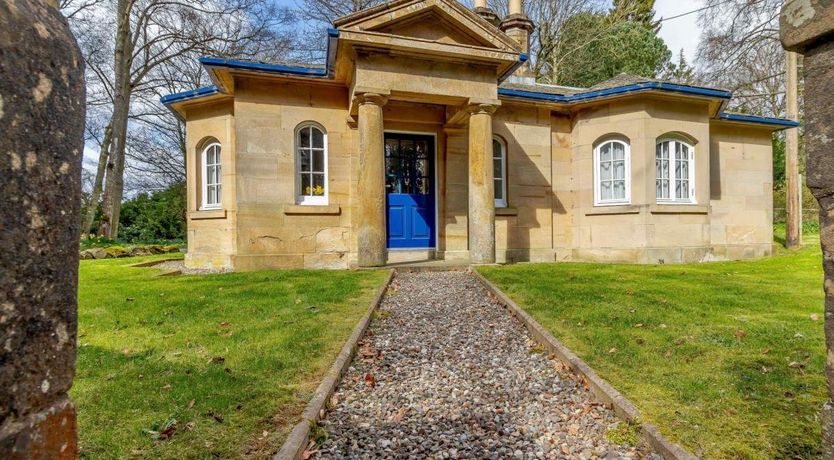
(409, 190)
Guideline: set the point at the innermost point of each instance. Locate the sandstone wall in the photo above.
(741, 193)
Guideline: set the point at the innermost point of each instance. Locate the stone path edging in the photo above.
(293, 448)
(600, 388)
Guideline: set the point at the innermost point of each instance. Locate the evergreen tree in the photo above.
(680, 72)
(641, 11)
(601, 46)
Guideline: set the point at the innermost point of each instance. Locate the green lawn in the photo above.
(233, 358)
(726, 358)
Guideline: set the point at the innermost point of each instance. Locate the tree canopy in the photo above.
(600, 46)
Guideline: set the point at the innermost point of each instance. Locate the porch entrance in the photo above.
(410, 190)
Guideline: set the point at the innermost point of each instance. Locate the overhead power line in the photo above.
(693, 11)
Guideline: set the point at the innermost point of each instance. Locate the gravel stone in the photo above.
(445, 371)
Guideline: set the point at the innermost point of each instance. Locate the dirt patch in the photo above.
(179, 265)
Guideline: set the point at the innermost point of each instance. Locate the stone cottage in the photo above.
(424, 136)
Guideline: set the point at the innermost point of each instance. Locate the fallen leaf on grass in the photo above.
(218, 360)
(766, 351)
(815, 317)
(612, 351)
(191, 403)
(638, 325)
(167, 386)
(739, 334)
(190, 426)
(796, 365)
(224, 324)
(668, 354)
(162, 431)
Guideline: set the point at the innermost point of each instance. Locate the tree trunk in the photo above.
(103, 155)
(114, 186)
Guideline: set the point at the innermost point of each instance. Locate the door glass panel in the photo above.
(408, 168)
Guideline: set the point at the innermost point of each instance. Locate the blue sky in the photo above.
(680, 33)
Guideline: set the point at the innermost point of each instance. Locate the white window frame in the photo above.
(597, 192)
(301, 198)
(672, 177)
(502, 202)
(205, 205)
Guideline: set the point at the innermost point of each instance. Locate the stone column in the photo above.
(370, 190)
(42, 115)
(481, 185)
(807, 27)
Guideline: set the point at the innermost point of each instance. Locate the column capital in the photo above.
(370, 98)
(482, 108)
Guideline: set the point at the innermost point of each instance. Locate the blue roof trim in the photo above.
(783, 122)
(263, 67)
(636, 87)
(522, 58)
(185, 95)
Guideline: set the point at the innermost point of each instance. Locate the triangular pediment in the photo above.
(441, 21)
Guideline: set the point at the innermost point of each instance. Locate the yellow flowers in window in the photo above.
(318, 190)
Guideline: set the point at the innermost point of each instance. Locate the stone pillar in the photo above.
(42, 119)
(370, 190)
(485, 12)
(481, 185)
(807, 27)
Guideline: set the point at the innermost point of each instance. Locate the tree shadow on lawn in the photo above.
(121, 394)
(781, 401)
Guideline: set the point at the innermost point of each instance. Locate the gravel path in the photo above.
(446, 372)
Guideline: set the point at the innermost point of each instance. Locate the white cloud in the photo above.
(683, 32)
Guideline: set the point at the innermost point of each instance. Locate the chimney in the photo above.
(519, 27)
(482, 10)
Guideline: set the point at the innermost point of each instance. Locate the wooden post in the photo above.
(793, 237)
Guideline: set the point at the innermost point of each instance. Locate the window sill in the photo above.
(207, 214)
(611, 210)
(312, 210)
(506, 211)
(682, 208)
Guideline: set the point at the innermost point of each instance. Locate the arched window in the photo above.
(675, 178)
(211, 171)
(612, 173)
(311, 164)
(499, 166)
